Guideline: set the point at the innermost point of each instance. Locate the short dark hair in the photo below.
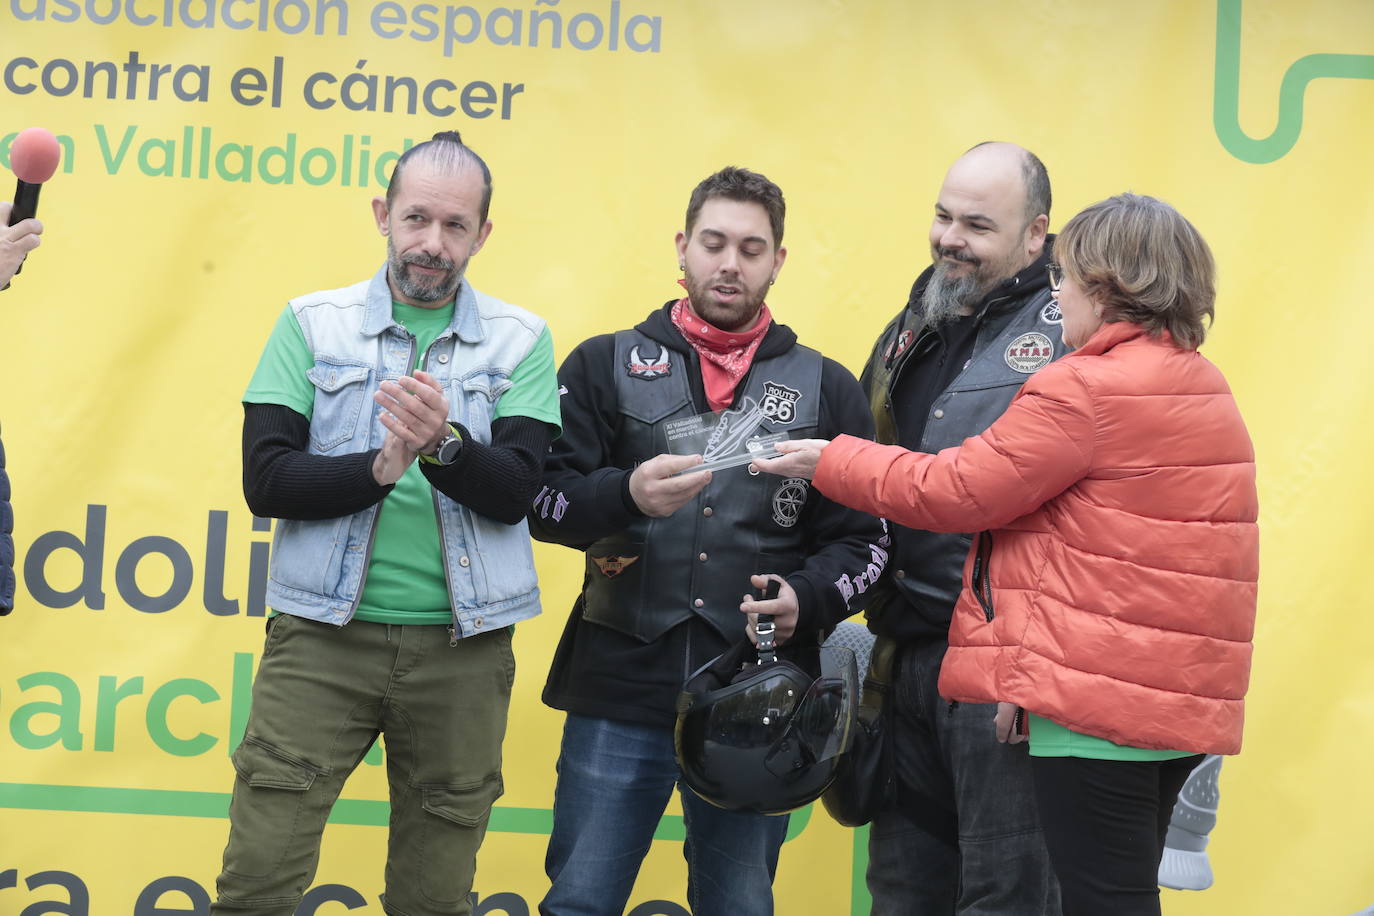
(446, 150)
(1034, 178)
(739, 184)
(1037, 181)
(1144, 263)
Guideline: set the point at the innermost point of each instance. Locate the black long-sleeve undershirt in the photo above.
(282, 479)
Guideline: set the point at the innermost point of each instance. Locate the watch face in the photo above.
(448, 450)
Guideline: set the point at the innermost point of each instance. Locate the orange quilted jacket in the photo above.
(1112, 588)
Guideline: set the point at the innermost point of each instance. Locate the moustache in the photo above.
(431, 261)
(957, 255)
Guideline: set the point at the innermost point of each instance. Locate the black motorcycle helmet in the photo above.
(766, 736)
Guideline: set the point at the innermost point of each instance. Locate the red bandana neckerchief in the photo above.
(725, 355)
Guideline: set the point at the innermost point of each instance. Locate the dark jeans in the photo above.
(1105, 822)
(614, 780)
(965, 837)
(322, 695)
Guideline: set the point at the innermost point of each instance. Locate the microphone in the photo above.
(34, 155)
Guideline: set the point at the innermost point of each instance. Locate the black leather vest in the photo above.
(659, 572)
(926, 568)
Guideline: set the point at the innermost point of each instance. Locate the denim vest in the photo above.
(318, 567)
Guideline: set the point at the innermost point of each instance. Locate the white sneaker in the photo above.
(1185, 871)
(1184, 866)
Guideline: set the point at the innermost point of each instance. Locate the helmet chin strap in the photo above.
(764, 627)
(767, 647)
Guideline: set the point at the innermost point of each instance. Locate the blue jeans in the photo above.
(614, 781)
(965, 835)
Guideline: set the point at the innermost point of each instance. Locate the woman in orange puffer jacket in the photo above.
(1109, 600)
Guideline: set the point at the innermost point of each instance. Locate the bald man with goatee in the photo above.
(962, 835)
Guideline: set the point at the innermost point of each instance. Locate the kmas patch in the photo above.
(1029, 352)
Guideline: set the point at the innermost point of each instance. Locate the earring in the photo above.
(681, 265)
(772, 280)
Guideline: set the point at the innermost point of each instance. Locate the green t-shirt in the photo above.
(405, 579)
(1050, 739)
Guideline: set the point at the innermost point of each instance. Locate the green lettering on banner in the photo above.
(240, 696)
(1226, 92)
(67, 711)
(161, 701)
(107, 698)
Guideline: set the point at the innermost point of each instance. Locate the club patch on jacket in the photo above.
(613, 566)
(779, 402)
(652, 367)
(1051, 313)
(897, 347)
(788, 501)
(1029, 352)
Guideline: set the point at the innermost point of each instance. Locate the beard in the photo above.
(945, 297)
(725, 316)
(948, 297)
(421, 289)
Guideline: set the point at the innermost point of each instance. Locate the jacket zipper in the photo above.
(982, 579)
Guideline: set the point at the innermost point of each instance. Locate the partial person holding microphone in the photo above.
(15, 243)
(33, 156)
(1110, 596)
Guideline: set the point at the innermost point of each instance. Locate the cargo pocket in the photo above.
(455, 820)
(268, 807)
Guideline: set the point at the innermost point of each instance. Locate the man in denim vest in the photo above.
(413, 391)
(672, 545)
(962, 835)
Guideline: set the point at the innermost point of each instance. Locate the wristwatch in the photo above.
(447, 449)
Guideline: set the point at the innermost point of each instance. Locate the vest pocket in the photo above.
(477, 396)
(615, 579)
(309, 555)
(340, 393)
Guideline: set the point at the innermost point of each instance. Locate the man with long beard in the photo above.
(670, 552)
(962, 835)
(413, 391)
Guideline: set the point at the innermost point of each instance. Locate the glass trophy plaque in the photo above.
(723, 440)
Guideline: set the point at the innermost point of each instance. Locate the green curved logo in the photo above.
(1226, 98)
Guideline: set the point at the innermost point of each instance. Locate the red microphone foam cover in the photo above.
(34, 155)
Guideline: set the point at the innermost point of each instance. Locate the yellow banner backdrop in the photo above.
(220, 155)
